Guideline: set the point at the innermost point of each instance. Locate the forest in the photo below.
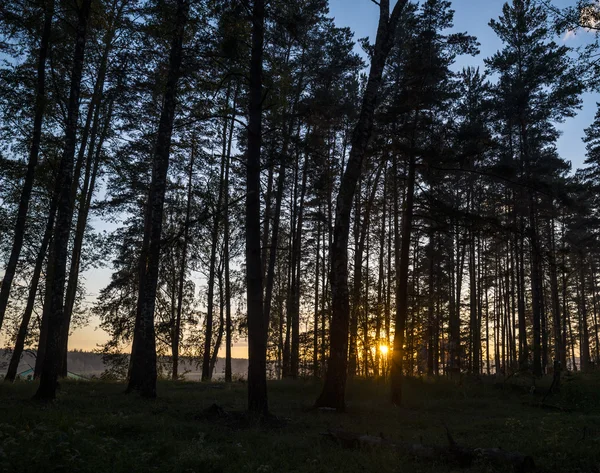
(388, 233)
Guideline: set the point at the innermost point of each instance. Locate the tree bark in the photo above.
(257, 322)
(142, 373)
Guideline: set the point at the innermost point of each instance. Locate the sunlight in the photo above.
(383, 349)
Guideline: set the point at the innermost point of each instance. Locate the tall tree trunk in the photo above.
(40, 106)
(402, 263)
(226, 236)
(520, 253)
(215, 353)
(557, 324)
(59, 252)
(87, 193)
(33, 289)
(536, 291)
(142, 373)
(257, 322)
(316, 307)
(361, 231)
(175, 336)
(333, 394)
(381, 288)
(294, 314)
(584, 352)
(430, 302)
(595, 305)
(91, 128)
(206, 361)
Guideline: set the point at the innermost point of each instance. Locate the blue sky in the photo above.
(473, 16)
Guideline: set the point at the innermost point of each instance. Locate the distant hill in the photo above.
(90, 364)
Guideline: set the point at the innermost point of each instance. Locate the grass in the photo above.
(94, 427)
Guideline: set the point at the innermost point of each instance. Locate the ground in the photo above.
(94, 427)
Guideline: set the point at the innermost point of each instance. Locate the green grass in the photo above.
(94, 427)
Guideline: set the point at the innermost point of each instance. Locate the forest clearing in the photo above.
(93, 427)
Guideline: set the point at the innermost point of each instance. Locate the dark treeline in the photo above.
(250, 175)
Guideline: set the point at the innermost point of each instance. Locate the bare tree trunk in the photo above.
(215, 353)
(206, 361)
(294, 313)
(584, 352)
(402, 262)
(257, 322)
(333, 394)
(59, 252)
(315, 359)
(175, 336)
(142, 373)
(381, 279)
(520, 252)
(536, 292)
(474, 326)
(226, 236)
(595, 305)
(33, 287)
(87, 193)
(361, 231)
(430, 302)
(40, 105)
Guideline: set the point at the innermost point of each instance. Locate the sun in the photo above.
(383, 349)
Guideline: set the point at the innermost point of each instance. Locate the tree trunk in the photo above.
(226, 233)
(257, 322)
(536, 292)
(59, 252)
(402, 262)
(215, 353)
(294, 313)
(430, 302)
(583, 328)
(316, 307)
(40, 106)
(33, 286)
(175, 336)
(333, 394)
(142, 373)
(87, 193)
(206, 361)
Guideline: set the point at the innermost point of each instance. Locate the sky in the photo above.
(472, 16)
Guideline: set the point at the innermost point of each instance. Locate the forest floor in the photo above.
(94, 427)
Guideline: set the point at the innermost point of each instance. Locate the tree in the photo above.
(257, 324)
(142, 374)
(40, 106)
(537, 85)
(333, 394)
(55, 285)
